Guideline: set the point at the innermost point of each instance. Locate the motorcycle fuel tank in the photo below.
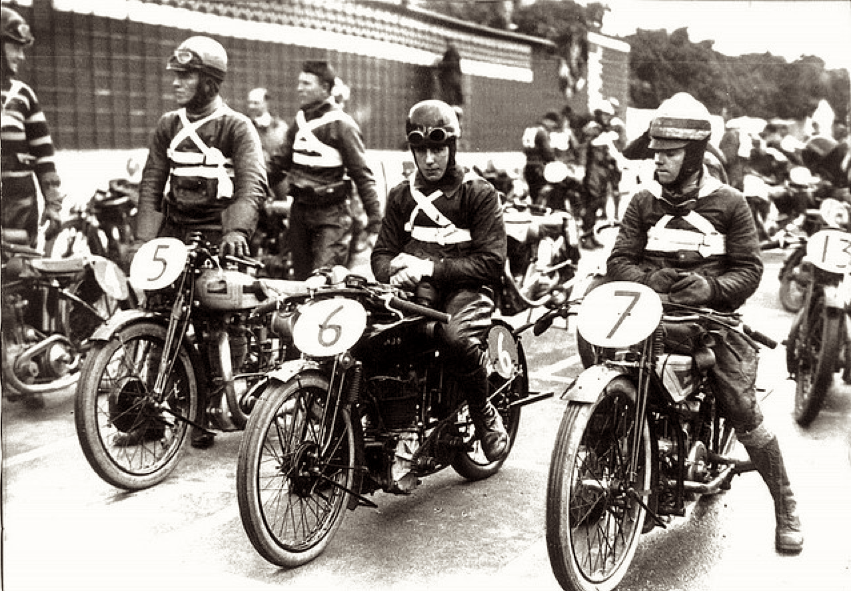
(220, 289)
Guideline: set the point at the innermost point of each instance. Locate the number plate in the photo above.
(619, 314)
(329, 327)
(158, 263)
(830, 250)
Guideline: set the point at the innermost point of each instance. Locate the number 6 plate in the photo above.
(329, 327)
(619, 314)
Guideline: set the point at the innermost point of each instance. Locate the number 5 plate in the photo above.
(619, 314)
(329, 327)
(158, 263)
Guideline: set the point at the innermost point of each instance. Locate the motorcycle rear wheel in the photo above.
(115, 398)
(816, 354)
(473, 464)
(593, 514)
(296, 465)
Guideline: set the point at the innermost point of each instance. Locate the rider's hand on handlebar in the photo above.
(407, 270)
(691, 290)
(235, 244)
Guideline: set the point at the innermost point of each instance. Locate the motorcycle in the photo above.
(641, 435)
(141, 385)
(369, 406)
(269, 242)
(50, 307)
(817, 345)
(543, 254)
(793, 275)
(103, 226)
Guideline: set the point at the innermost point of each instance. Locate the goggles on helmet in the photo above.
(183, 59)
(435, 135)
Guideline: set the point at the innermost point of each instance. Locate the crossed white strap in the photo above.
(706, 242)
(211, 156)
(306, 143)
(446, 232)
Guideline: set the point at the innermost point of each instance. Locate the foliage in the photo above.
(661, 64)
(757, 85)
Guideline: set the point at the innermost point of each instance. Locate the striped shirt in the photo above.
(25, 137)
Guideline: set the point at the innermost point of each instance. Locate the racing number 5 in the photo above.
(156, 258)
(629, 294)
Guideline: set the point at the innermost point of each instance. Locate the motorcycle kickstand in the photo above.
(188, 421)
(634, 494)
(363, 500)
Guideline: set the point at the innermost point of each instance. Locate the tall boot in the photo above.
(764, 451)
(489, 428)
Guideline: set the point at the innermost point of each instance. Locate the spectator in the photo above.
(271, 128)
(539, 151)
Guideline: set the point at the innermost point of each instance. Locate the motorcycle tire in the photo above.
(594, 518)
(295, 470)
(792, 292)
(131, 438)
(472, 464)
(817, 356)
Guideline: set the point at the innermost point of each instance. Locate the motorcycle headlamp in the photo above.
(433, 136)
(834, 213)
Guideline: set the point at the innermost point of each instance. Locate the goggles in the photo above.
(181, 58)
(435, 135)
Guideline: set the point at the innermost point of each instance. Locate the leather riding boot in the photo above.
(489, 428)
(768, 460)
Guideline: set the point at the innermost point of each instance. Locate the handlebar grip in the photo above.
(266, 307)
(412, 308)
(243, 261)
(759, 337)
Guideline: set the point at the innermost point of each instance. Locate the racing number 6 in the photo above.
(335, 329)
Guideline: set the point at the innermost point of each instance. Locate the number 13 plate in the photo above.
(619, 314)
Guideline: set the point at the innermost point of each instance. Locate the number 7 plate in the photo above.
(619, 314)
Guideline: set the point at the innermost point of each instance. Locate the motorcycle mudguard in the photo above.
(836, 296)
(591, 383)
(121, 319)
(289, 369)
(110, 278)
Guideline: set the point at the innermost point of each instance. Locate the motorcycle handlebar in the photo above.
(759, 337)
(412, 308)
(228, 258)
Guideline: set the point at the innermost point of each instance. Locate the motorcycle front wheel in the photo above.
(793, 289)
(295, 469)
(472, 464)
(819, 342)
(132, 437)
(594, 513)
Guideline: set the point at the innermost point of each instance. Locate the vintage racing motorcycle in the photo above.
(50, 309)
(818, 344)
(641, 435)
(368, 407)
(194, 338)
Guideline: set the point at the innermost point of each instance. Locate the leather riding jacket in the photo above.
(465, 239)
(712, 235)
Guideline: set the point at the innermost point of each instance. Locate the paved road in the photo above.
(66, 529)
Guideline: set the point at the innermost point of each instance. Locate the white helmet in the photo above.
(680, 119)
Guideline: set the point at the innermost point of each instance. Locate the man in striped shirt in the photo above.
(26, 144)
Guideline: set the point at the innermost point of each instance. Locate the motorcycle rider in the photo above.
(692, 239)
(539, 151)
(602, 168)
(26, 144)
(322, 146)
(444, 228)
(204, 170)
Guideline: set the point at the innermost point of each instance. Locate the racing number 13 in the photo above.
(628, 294)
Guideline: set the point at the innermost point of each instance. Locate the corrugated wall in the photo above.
(102, 81)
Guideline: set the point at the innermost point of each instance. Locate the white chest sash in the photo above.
(307, 149)
(707, 241)
(446, 232)
(211, 163)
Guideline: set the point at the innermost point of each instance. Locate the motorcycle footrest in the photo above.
(532, 398)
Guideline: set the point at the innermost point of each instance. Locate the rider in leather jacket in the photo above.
(443, 227)
(692, 239)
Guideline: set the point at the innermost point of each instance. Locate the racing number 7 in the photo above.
(629, 294)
